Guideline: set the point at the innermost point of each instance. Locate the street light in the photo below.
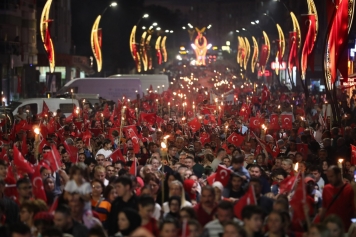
(237, 31)
(257, 21)
(167, 31)
(243, 29)
(143, 27)
(96, 36)
(190, 25)
(171, 31)
(158, 28)
(284, 5)
(183, 27)
(144, 16)
(154, 24)
(209, 26)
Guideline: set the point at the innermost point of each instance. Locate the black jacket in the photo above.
(117, 205)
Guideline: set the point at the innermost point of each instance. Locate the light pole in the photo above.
(133, 46)
(96, 38)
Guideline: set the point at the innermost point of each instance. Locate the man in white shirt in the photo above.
(316, 172)
(106, 150)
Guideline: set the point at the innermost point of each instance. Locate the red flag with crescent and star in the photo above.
(293, 51)
(287, 184)
(223, 175)
(21, 163)
(131, 132)
(235, 139)
(195, 125)
(255, 122)
(287, 121)
(37, 185)
(204, 138)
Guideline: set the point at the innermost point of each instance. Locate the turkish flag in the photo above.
(338, 39)
(96, 131)
(248, 199)
(167, 95)
(45, 110)
(255, 122)
(245, 111)
(57, 159)
(146, 106)
(204, 138)
(106, 111)
(273, 124)
(131, 132)
(223, 175)
(298, 200)
(117, 155)
(51, 126)
(195, 125)
(303, 148)
(86, 137)
(211, 179)
(265, 94)
(48, 43)
(130, 114)
(22, 126)
(22, 164)
(263, 56)
(150, 118)
(37, 185)
(200, 98)
(235, 139)
(72, 151)
(159, 122)
(287, 184)
(309, 30)
(287, 121)
(42, 144)
(353, 154)
(293, 51)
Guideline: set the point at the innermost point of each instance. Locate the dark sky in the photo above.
(116, 26)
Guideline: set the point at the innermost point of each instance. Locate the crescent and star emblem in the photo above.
(221, 173)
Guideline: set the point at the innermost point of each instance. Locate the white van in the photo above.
(115, 86)
(36, 105)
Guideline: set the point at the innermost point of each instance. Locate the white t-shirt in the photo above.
(157, 213)
(72, 187)
(321, 184)
(104, 152)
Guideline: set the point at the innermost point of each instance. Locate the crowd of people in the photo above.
(264, 164)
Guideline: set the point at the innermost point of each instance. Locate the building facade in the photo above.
(18, 52)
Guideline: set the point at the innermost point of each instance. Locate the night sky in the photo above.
(116, 24)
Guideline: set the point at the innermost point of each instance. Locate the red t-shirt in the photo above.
(204, 217)
(152, 227)
(343, 206)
